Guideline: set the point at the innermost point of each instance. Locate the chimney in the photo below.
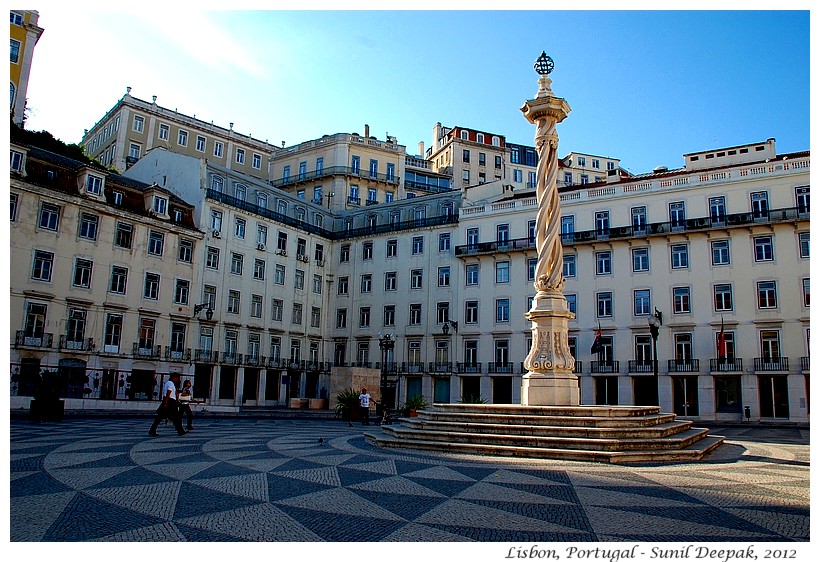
(366, 130)
(421, 149)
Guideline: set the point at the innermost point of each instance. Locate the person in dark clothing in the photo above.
(186, 396)
(169, 407)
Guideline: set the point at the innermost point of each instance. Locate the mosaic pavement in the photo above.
(273, 480)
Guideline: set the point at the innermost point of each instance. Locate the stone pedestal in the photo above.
(550, 380)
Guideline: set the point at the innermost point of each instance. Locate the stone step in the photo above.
(567, 419)
(520, 410)
(695, 451)
(669, 427)
(678, 440)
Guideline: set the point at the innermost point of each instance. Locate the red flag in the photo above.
(721, 341)
(596, 345)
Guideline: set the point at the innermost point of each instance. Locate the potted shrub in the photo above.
(413, 405)
(46, 404)
(472, 399)
(347, 405)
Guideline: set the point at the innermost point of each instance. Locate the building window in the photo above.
(418, 245)
(277, 307)
(182, 138)
(163, 133)
(471, 274)
(200, 143)
(119, 280)
(299, 280)
(392, 248)
(681, 300)
(416, 278)
(341, 318)
(717, 209)
(720, 252)
(49, 216)
(444, 276)
(139, 123)
(805, 292)
(364, 317)
(181, 290)
(212, 258)
(344, 254)
(150, 288)
(723, 297)
(13, 211)
(317, 284)
(602, 223)
(531, 264)
(259, 269)
(764, 249)
(113, 333)
(218, 148)
(760, 204)
(642, 307)
(471, 312)
(342, 286)
(16, 161)
(315, 317)
(134, 150)
(256, 161)
(367, 251)
(569, 269)
(680, 256)
(677, 214)
(216, 221)
(803, 240)
(640, 259)
(82, 273)
(502, 272)
(256, 306)
(123, 235)
(234, 298)
(390, 281)
(638, 219)
(156, 242)
(604, 304)
(767, 294)
(209, 296)
(239, 228)
(93, 184)
(502, 310)
(186, 251)
(603, 263)
(42, 266)
(444, 242)
(415, 314)
(366, 283)
(571, 302)
(237, 263)
(389, 315)
(442, 312)
(88, 226)
(240, 156)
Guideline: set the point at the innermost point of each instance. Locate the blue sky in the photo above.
(645, 87)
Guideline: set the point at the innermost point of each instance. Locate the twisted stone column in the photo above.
(549, 380)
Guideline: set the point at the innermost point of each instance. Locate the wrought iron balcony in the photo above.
(206, 356)
(766, 364)
(389, 367)
(84, 344)
(726, 365)
(641, 366)
(412, 367)
(231, 358)
(436, 367)
(335, 171)
(39, 340)
(804, 363)
(683, 365)
(254, 360)
(604, 367)
(177, 354)
(500, 368)
(150, 352)
(468, 368)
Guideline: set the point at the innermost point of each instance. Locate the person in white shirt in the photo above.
(364, 401)
(186, 396)
(169, 407)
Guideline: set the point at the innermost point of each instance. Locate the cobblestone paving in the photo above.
(273, 480)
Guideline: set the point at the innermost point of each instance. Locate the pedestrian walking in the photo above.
(364, 401)
(186, 396)
(169, 407)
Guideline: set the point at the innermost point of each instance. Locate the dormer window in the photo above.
(93, 184)
(160, 205)
(465, 135)
(117, 196)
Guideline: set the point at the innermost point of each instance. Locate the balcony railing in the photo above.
(641, 366)
(151, 352)
(683, 365)
(177, 354)
(206, 356)
(604, 367)
(254, 360)
(85, 344)
(804, 363)
(335, 171)
(231, 358)
(468, 368)
(500, 368)
(726, 365)
(412, 367)
(771, 364)
(436, 367)
(738, 219)
(41, 340)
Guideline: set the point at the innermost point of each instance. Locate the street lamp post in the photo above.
(209, 312)
(655, 323)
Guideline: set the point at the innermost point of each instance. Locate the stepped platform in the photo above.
(613, 434)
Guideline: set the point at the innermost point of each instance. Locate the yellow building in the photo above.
(24, 34)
